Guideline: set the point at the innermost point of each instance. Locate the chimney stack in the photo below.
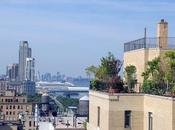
(162, 34)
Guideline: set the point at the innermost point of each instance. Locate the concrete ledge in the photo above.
(106, 95)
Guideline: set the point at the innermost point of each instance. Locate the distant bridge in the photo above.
(74, 92)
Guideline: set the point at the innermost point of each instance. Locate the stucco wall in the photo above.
(139, 58)
(162, 109)
(113, 108)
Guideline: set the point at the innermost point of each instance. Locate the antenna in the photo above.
(145, 33)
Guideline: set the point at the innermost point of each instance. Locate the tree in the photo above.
(107, 74)
(91, 70)
(154, 82)
(170, 59)
(130, 76)
(153, 68)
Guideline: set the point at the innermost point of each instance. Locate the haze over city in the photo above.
(69, 35)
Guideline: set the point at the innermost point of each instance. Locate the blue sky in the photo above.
(69, 35)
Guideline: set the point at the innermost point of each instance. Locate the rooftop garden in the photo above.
(159, 77)
(106, 75)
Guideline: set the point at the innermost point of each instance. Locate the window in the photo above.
(98, 116)
(10, 107)
(14, 113)
(150, 121)
(6, 112)
(14, 107)
(10, 113)
(127, 119)
(30, 123)
(23, 100)
(7, 107)
(18, 107)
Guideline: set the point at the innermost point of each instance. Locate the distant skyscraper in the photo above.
(24, 53)
(12, 72)
(30, 69)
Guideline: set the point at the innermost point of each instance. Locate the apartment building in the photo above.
(122, 111)
(3, 86)
(11, 105)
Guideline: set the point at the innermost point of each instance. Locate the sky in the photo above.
(69, 35)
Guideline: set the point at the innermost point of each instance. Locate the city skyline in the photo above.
(68, 35)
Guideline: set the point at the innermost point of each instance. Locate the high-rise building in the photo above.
(12, 72)
(30, 69)
(24, 52)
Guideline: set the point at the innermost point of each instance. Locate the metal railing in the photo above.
(150, 43)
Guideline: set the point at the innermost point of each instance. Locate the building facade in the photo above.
(130, 112)
(139, 52)
(16, 86)
(28, 87)
(3, 86)
(11, 105)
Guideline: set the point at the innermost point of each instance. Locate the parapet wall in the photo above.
(113, 106)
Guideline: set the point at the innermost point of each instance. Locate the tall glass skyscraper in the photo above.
(30, 69)
(24, 53)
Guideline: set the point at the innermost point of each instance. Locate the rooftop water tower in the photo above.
(84, 106)
(45, 103)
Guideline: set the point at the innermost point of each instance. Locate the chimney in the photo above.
(162, 34)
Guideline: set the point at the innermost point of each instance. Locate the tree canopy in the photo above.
(130, 76)
(159, 77)
(106, 74)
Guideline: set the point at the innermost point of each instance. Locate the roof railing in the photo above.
(150, 42)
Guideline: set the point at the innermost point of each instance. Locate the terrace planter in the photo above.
(114, 90)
